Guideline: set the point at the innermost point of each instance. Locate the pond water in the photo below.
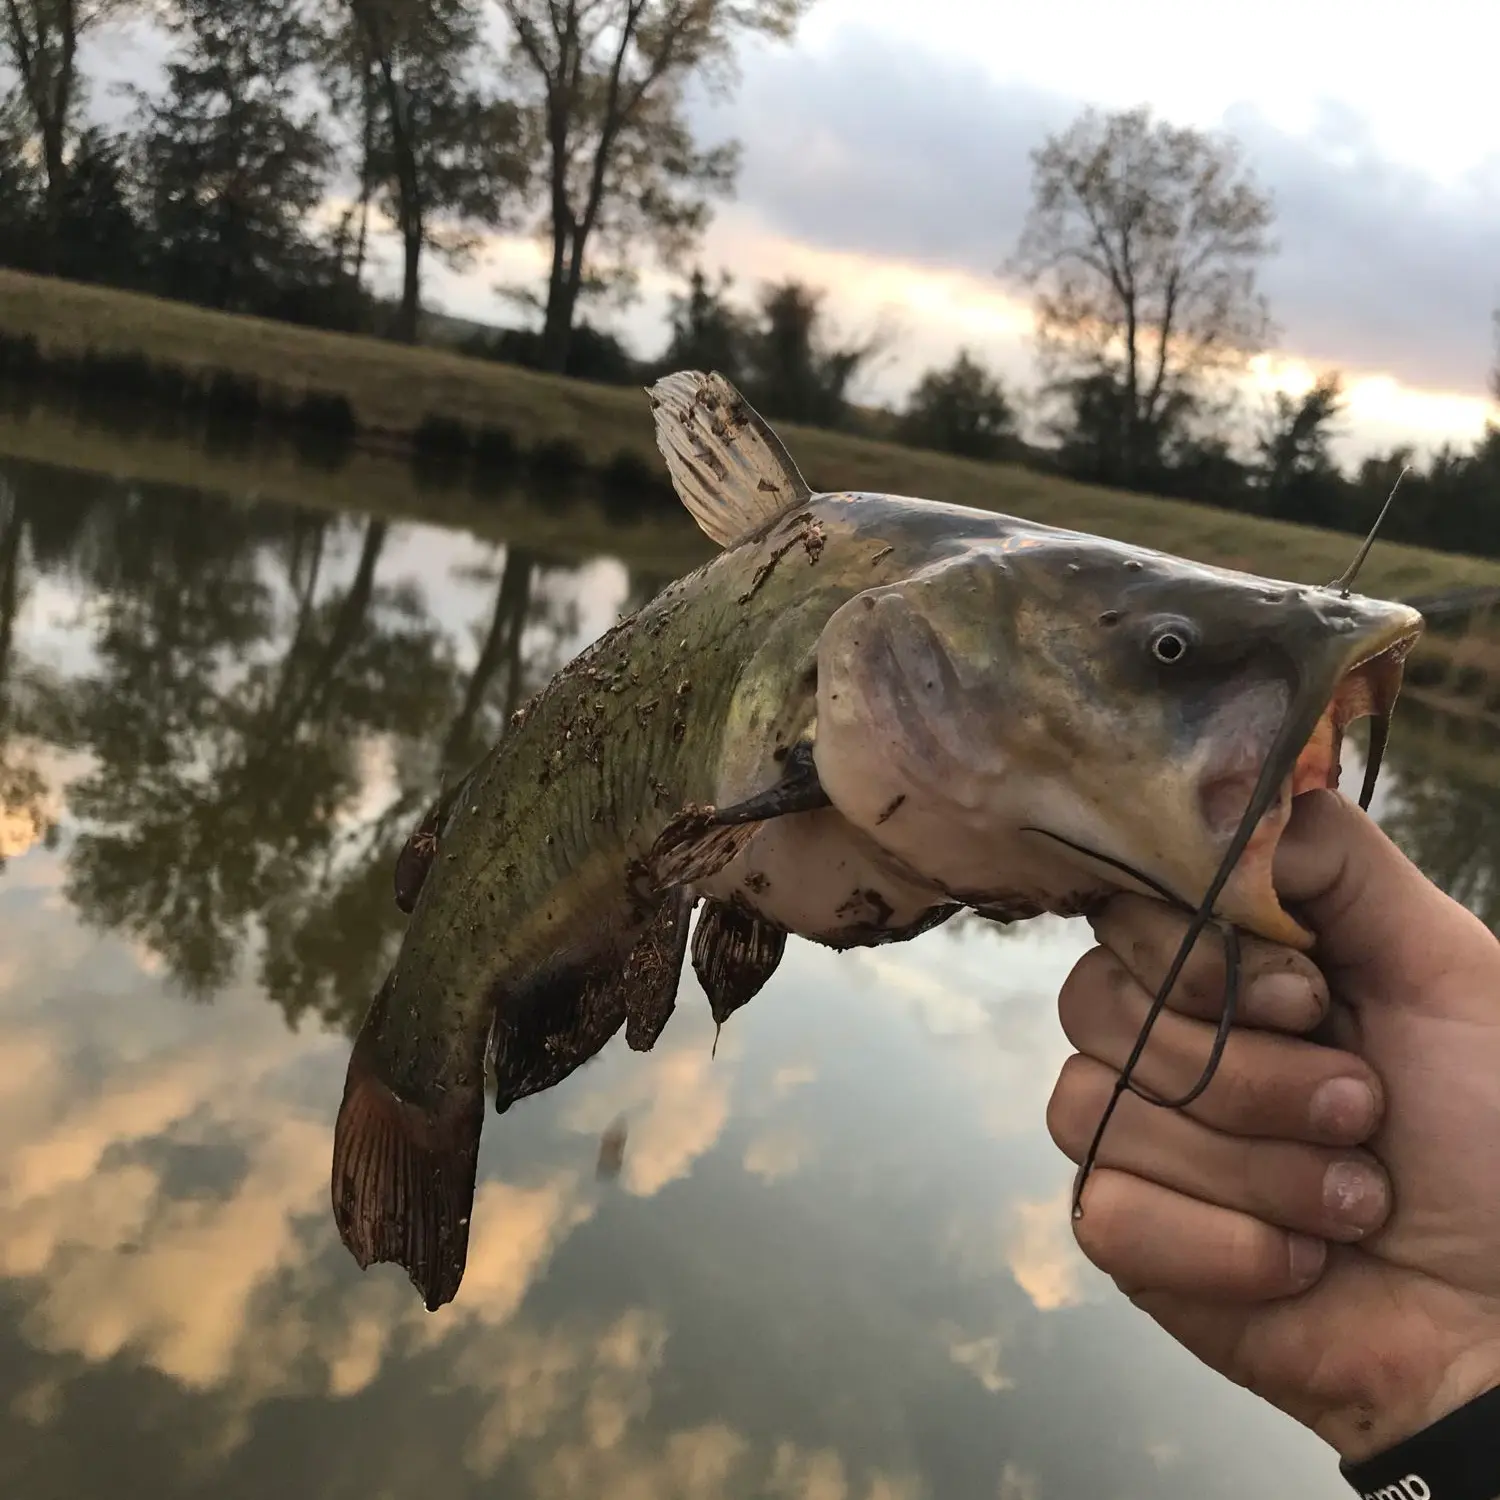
(836, 1263)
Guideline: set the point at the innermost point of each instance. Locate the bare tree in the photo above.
(605, 78)
(39, 39)
(1142, 247)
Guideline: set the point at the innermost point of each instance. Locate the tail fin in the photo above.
(403, 1178)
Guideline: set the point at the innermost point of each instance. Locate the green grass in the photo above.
(392, 389)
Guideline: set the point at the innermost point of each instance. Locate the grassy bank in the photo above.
(397, 394)
(571, 523)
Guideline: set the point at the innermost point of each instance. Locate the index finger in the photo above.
(1280, 988)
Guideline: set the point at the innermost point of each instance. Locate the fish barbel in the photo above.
(864, 714)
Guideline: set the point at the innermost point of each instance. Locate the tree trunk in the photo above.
(10, 562)
(57, 184)
(366, 186)
(409, 205)
(557, 330)
(410, 315)
(512, 600)
(347, 625)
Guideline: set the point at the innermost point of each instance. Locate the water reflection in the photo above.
(831, 1263)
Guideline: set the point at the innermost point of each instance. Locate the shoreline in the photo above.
(450, 420)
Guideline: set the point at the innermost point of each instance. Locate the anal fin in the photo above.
(549, 1030)
(734, 953)
(700, 841)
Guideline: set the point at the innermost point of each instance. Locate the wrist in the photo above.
(1363, 1432)
(1457, 1457)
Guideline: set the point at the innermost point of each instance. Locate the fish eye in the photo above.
(1169, 645)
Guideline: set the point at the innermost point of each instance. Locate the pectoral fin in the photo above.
(700, 841)
(734, 953)
(419, 851)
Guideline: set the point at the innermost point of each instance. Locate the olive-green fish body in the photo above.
(865, 714)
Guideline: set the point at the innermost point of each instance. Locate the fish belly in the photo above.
(819, 877)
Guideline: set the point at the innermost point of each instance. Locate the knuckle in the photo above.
(1131, 925)
(1109, 1230)
(1240, 1097)
(1068, 1110)
(1201, 983)
(1255, 1260)
(1087, 993)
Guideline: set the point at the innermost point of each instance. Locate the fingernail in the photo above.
(1285, 1000)
(1307, 1257)
(1354, 1194)
(1343, 1109)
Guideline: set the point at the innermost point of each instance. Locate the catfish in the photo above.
(865, 713)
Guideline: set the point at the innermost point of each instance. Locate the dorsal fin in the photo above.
(729, 468)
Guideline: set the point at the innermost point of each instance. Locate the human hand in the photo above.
(1323, 1225)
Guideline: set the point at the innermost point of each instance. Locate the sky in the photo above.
(886, 158)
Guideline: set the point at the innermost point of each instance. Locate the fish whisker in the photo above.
(1231, 939)
(1117, 864)
(1285, 748)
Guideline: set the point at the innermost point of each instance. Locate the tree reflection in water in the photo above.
(262, 718)
(263, 712)
(1444, 806)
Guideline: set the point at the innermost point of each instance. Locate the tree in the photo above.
(792, 370)
(231, 168)
(39, 39)
(226, 716)
(1141, 248)
(962, 409)
(1295, 471)
(438, 151)
(706, 332)
(20, 191)
(605, 80)
(101, 235)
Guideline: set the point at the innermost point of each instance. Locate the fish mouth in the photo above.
(1365, 684)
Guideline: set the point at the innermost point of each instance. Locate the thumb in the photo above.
(1377, 920)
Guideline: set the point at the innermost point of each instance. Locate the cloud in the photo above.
(195, 1284)
(776, 1153)
(675, 1101)
(1003, 1042)
(880, 148)
(1029, 1242)
(572, 1406)
(981, 1358)
(1042, 1254)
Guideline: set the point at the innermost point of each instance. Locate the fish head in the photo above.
(1039, 719)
